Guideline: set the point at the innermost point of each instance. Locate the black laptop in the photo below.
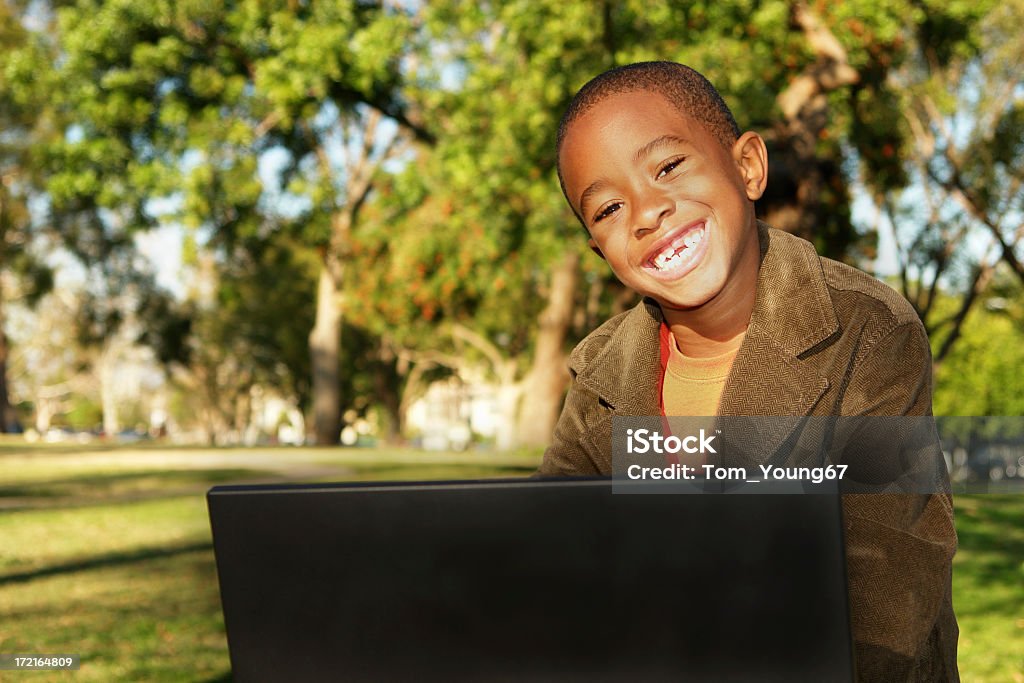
(529, 580)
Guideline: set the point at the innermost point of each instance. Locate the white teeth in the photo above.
(664, 260)
(673, 253)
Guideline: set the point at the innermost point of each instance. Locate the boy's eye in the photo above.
(669, 167)
(606, 211)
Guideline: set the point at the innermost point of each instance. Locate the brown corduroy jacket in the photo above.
(823, 339)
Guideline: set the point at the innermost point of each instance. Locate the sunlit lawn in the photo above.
(106, 553)
(988, 587)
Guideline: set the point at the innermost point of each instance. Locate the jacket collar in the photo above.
(792, 314)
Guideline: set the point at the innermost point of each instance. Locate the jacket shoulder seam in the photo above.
(890, 329)
(870, 287)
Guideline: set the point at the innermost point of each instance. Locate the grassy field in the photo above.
(106, 553)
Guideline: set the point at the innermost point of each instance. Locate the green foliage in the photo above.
(960, 103)
(21, 124)
(180, 99)
(85, 414)
(982, 374)
(469, 233)
(263, 311)
(183, 102)
(121, 289)
(993, 161)
(24, 274)
(252, 330)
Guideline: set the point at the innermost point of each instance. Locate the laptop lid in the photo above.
(540, 580)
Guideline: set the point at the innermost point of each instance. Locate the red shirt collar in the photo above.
(665, 341)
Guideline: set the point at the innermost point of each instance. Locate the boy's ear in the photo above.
(751, 156)
(593, 245)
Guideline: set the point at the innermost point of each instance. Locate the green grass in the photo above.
(105, 552)
(988, 587)
(129, 586)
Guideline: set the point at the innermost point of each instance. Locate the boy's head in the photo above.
(684, 87)
(651, 161)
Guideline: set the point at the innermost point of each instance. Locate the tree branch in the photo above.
(982, 276)
(831, 71)
(481, 344)
(957, 189)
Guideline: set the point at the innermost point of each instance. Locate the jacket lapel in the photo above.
(792, 314)
(626, 374)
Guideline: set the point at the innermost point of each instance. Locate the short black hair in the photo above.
(681, 85)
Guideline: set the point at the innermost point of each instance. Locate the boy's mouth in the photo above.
(679, 254)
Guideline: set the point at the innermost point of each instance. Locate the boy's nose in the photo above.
(654, 207)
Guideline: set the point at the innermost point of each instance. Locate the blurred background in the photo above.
(320, 240)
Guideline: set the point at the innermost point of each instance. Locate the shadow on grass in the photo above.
(123, 487)
(142, 616)
(104, 561)
(101, 482)
(133, 486)
(71, 447)
(991, 554)
(438, 472)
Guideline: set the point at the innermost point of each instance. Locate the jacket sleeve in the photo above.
(899, 546)
(572, 450)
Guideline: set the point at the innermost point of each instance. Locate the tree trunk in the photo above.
(46, 409)
(546, 381)
(8, 418)
(324, 348)
(387, 385)
(506, 435)
(797, 172)
(107, 369)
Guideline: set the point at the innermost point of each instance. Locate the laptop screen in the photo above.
(556, 580)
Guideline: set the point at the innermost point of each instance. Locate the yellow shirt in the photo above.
(693, 386)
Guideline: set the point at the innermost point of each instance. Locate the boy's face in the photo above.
(666, 204)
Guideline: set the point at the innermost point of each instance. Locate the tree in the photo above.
(71, 213)
(66, 375)
(23, 275)
(47, 368)
(963, 127)
(186, 101)
(241, 326)
(473, 232)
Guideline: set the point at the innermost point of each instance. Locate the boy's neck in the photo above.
(698, 343)
(715, 327)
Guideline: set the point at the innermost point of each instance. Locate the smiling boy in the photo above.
(741, 319)
(670, 208)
